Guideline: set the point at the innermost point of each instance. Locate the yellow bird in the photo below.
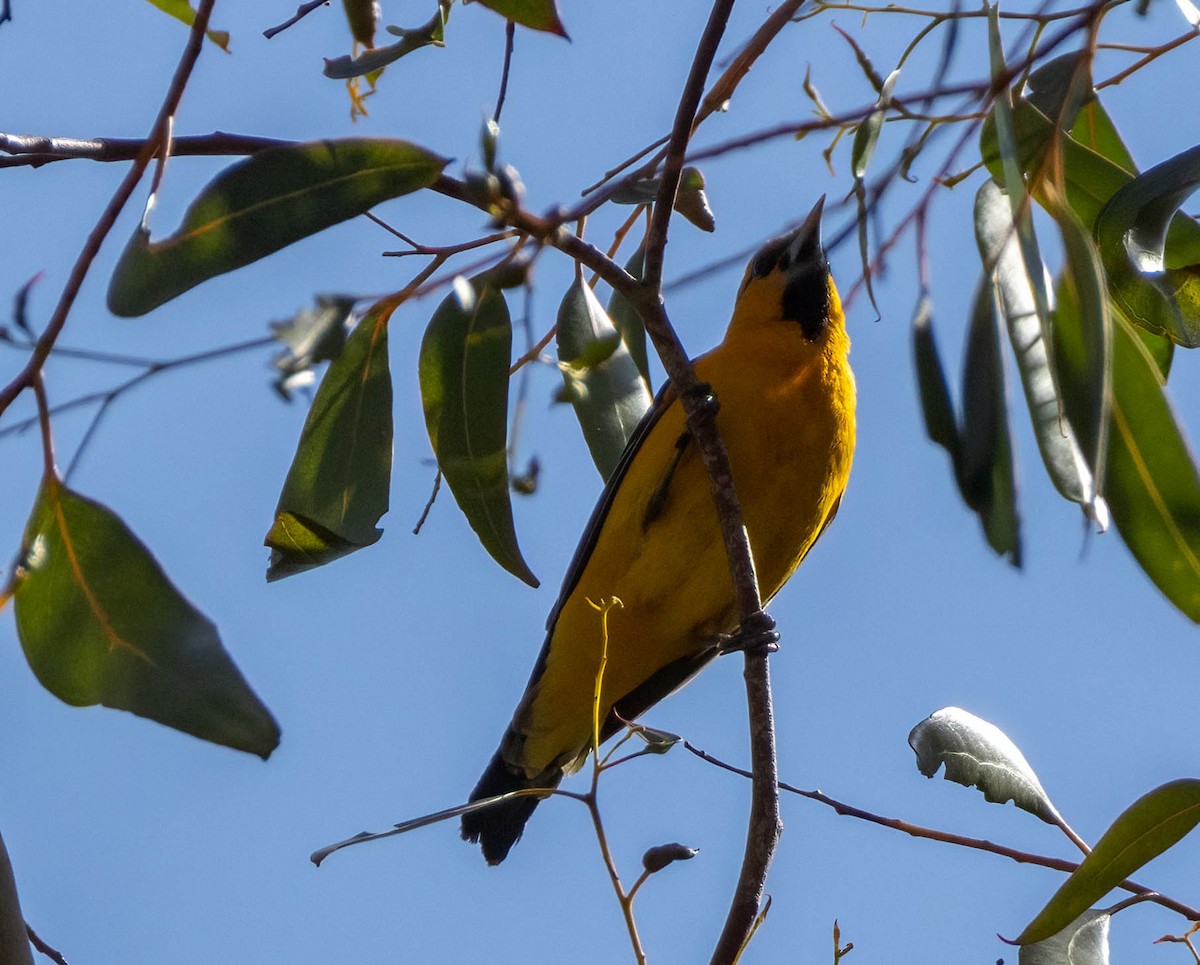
(786, 399)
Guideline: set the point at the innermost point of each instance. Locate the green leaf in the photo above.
(100, 623)
(182, 10)
(608, 392)
(941, 425)
(1065, 463)
(1152, 483)
(375, 59)
(463, 366)
(866, 135)
(14, 937)
(987, 474)
(1132, 233)
(629, 320)
(262, 204)
(337, 487)
(535, 14)
(1147, 828)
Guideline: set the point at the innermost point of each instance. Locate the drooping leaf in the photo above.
(363, 18)
(14, 939)
(1131, 231)
(979, 754)
(629, 320)
(605, 387)
(987, 473)
(535, 14)
(375, 59)
(311, 336)
(1083, 942)
(941, 424)
(262, 204)
(999, 249)
(1152, 483)
(1148, 827)
(338, 484)
(866, 135)
(182, 10)
(100, 623)
(463, 365)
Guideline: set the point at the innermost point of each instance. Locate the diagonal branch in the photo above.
(108, 218)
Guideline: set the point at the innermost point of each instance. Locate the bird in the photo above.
(785, 409)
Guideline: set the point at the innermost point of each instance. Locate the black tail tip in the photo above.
(498, 827)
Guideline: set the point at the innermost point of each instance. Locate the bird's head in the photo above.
(788, 280)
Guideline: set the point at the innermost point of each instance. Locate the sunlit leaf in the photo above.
(464, 364)
(337, 487)
(262, 204)
(629, 320)
(14, 938)
(987, 472)
(182, 10)
(535, 14)
(979, 754)
(608, 393)
(375, 59)
(1152, 483)
(100, 623)
(867, 133)
(311, 336)
(1083, 942)
(999, 249)
(1132, 233)
(1147, 828)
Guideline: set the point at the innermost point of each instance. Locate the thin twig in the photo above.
(35, 939)
(510, 31)
(108, 218)
(302, 11)
(946, 837)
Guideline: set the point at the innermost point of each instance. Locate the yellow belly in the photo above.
(788, 424)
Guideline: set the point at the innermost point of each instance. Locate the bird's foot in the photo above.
(757, 634)
(705, 401)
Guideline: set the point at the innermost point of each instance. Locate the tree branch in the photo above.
(108, 218)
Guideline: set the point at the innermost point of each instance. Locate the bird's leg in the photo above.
(756, 633)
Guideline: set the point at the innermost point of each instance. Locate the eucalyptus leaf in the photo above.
(866, 135)
(338, 484)
(1148, 827)
(941, 424)
(262, 204)
(100, 623)
(311, 336)
(463, 368)
(1001, 254)
(183, 11)
(1152, 482)
(14, 939)
(609, 394)
(1131, 231)
(979, 754)
(629, 321)
(1083, 942)
(363, 18)
(535, 14)
(431, 33)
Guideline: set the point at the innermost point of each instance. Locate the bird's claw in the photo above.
(757, 634)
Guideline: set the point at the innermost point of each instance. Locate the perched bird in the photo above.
(785, 396)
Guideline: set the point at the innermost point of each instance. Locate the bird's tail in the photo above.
(497, 828)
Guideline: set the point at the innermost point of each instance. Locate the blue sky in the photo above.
(394, 671)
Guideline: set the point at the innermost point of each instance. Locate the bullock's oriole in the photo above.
(786, 414)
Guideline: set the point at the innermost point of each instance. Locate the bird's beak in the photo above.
(807, 237)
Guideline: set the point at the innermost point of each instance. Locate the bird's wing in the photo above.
(662, 402)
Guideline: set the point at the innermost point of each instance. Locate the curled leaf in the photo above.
(607, 390)
(376, 58)
(979, 754)
(1083, 942)
(338, 483)
(658, 857)
(311, 336)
